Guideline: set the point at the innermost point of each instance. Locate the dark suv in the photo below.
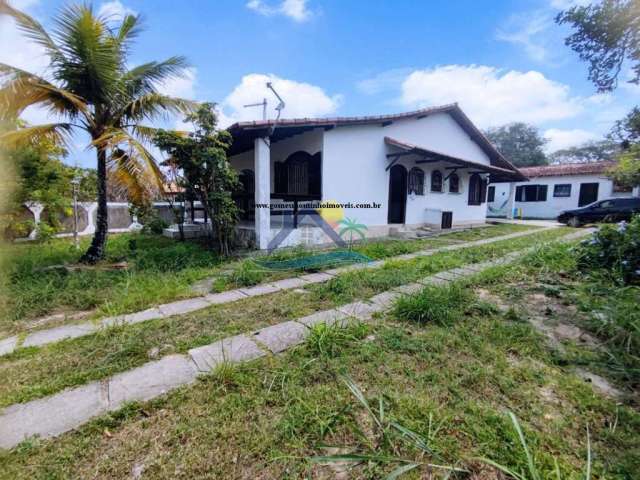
(609, 210)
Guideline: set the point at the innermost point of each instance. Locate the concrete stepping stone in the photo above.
(131, 318)
(385, 300)
(290, 283)
(433, 280)
(409, 289)
(233, 349)
(360, 310)
(183, 306)
(460, 271)
(474, 267)
(316, 277)
(51, 416)
(8, 345)
(262, 289)
(224, 297)
(328, 317)
(57, 334)
(151, 380)
(278, 338)
(447, 275)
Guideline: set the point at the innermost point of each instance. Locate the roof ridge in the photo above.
(432, 109)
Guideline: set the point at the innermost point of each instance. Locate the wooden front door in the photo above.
(397, 194)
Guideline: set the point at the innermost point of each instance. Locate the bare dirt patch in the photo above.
(487, 296)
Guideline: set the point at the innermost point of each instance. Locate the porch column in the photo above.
(262, 172)
(511, 201)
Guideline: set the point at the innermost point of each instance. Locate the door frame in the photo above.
(404, 174)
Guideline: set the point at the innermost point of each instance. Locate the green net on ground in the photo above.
(315, 262)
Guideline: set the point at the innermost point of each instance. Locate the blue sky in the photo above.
(503, 61)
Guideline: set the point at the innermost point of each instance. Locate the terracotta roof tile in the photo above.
(566, 169)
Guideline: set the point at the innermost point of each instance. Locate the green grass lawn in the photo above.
(36, 372)
(158, 270)
(445, 367)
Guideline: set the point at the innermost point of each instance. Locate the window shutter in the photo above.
(483, 191)
(542, 193)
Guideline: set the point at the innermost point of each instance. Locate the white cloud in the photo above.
(17, 50)
(115, 10)
(302, 99)
(529, 32)
(491, 96)
(383, 81)
(183, 86)
(297, 10)
(558, 139)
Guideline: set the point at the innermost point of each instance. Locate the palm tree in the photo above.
(351, 227)
(91, 88)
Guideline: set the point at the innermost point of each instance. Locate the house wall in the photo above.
(355, 161)
(553, 205)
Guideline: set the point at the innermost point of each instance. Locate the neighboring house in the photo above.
(427, 167)
(554, 188)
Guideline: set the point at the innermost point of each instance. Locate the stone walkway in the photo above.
(64, 411)
(181, 307)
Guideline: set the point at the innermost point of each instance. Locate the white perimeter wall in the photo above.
(554, 205)
(355, 160)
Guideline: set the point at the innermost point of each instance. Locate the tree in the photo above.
(42, 177)
(202, 157)
(91, 88)
(598, 151)
(520, 143)
(606, 35)
(627, 130)
(627, 172)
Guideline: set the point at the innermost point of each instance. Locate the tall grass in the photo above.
(383, 445)
(532, 471)
(434, 304)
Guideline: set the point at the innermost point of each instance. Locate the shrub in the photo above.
(247, 274)
(615, 249)
(155, 225)
(434, 304)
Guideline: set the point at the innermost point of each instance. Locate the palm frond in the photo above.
(31, 28)
(147, 77)
(138, 159)
(58, 133)
(129, 178)
(154, 105)
(93, 62)
(129, 29)
(22, 89)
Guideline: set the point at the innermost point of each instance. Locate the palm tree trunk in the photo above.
(97, 249)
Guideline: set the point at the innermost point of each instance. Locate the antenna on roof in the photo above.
(280, 105)
(262, 104)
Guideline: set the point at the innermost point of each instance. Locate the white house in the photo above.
(427, 167)
(554, 188)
